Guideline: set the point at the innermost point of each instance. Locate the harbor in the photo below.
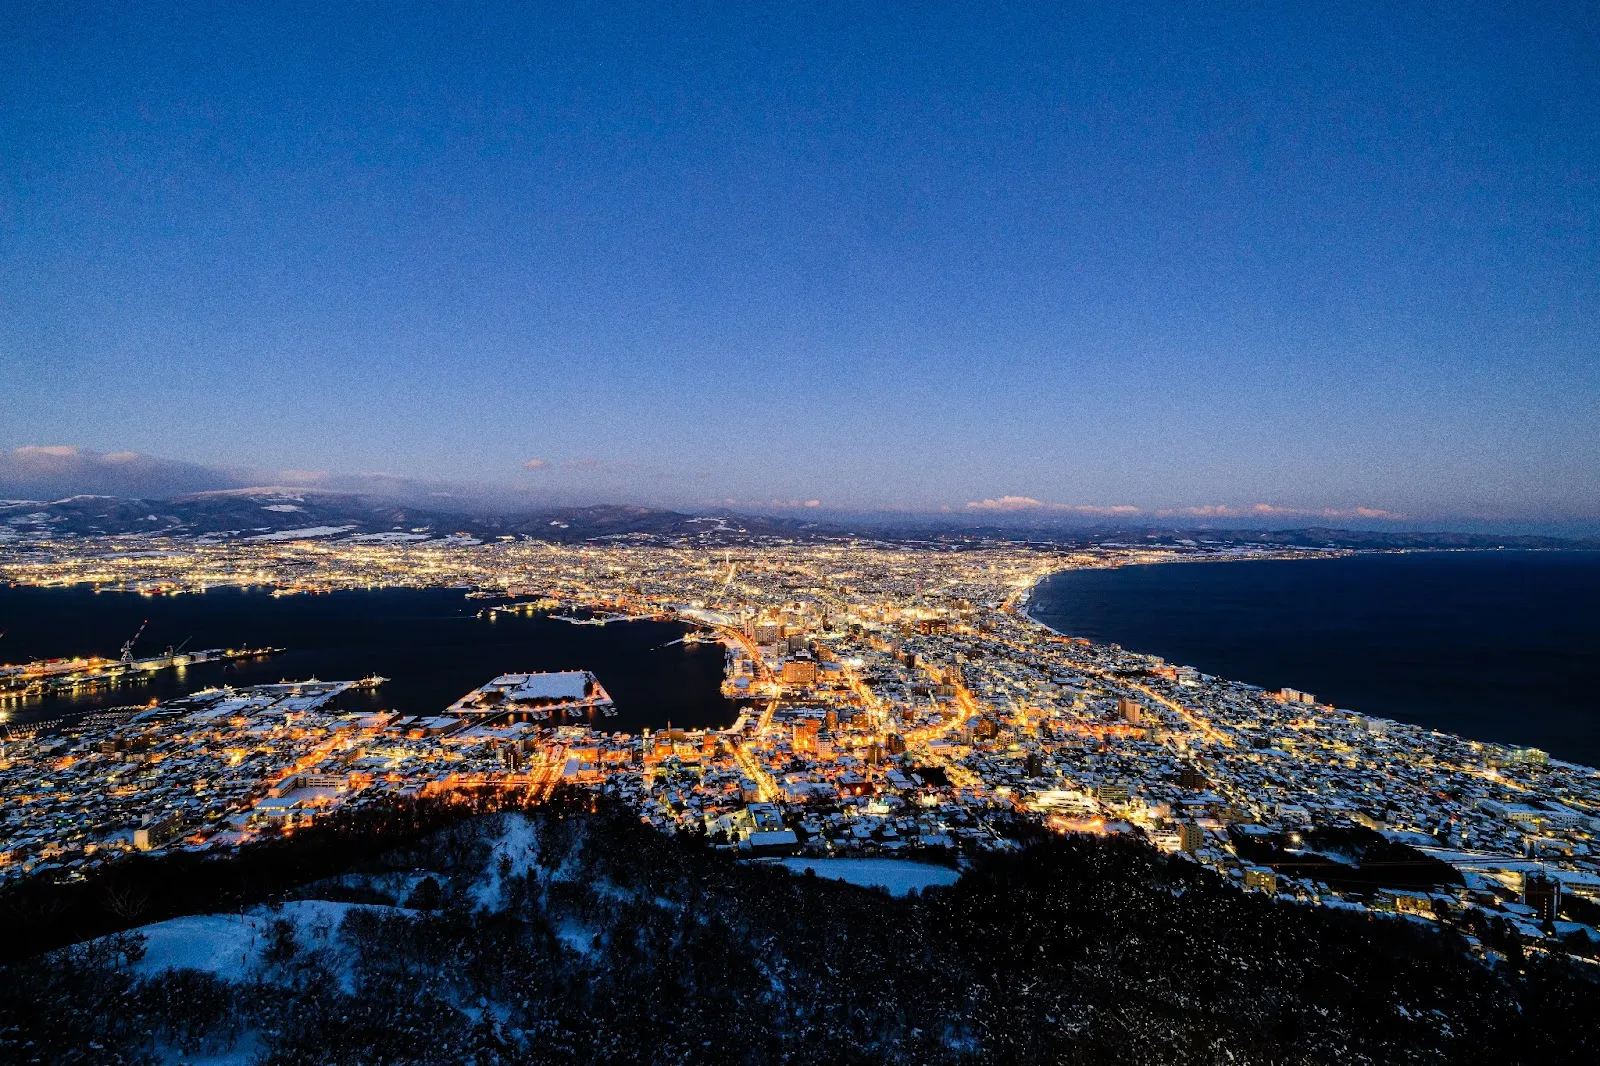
(74, 676)
(435, 645)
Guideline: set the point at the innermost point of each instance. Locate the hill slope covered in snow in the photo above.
(556, 936)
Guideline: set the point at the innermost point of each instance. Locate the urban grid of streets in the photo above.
(896, 698)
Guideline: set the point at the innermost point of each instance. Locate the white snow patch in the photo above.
(576, 936)
(517, 843)
(230, 945)
(389, 538)
(303, 534)
(227, 945)
(899, 876)
(565, 685)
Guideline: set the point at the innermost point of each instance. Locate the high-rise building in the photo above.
(1117, 794)
(156, 832)
(1190, 836)
(799, 672)
(805, 734)
(1543, 894)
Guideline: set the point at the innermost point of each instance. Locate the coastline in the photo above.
(1401, 660)
(1025, 600)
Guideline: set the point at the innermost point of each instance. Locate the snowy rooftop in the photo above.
(564, 687)
(569, 685)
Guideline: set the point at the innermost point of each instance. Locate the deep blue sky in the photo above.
(907, 256)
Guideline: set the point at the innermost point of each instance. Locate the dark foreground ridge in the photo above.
(565, 935)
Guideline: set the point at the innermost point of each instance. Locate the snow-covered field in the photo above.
(899, 876)
(303, 534)
(511, 860)
(230, 945)
(389, 538)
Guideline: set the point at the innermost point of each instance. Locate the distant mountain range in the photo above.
(278, 514)
(272, 513)
(1206, 538)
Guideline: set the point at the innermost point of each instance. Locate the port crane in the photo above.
(127, 649)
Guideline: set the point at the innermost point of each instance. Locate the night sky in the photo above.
(1189, 259)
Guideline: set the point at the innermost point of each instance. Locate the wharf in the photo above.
(72, 676)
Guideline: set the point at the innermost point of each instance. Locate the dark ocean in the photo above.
(430, 643)
(1500, 646)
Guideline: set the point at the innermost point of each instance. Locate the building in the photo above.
(1543, 894)
(1190, 836)
(799, 672)
(1403, 902)
(804, 735)
(525, 697)
(774, 842)
(157, 832)
(1113, 794)
(764, 632)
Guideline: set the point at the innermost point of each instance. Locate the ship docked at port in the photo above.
(70, 676)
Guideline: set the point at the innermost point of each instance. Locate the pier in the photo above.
(47, 677)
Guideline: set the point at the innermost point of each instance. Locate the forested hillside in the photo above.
(557, 936)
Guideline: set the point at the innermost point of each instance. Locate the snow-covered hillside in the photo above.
(564, 937)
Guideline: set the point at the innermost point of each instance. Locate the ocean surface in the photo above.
(431, 644)
(1498, 646)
